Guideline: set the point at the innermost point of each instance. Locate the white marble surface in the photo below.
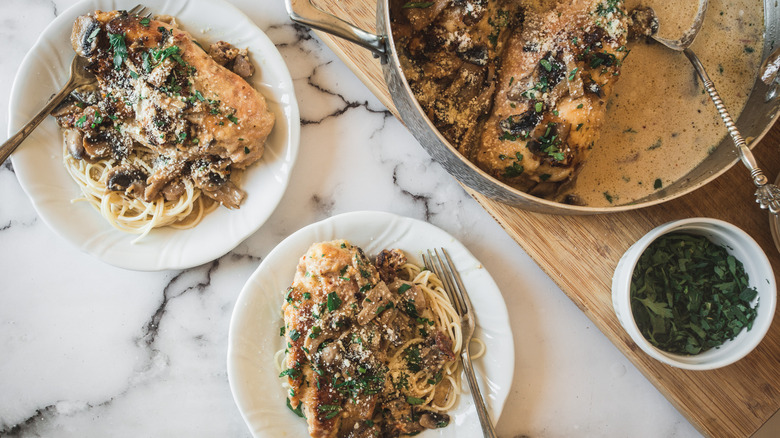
(91, 350)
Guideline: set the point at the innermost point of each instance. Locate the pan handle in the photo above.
(304, 12)
(770, 73)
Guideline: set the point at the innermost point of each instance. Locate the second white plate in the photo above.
(254, 327)
(38, 161)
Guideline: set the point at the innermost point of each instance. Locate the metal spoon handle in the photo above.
(15, 140)
(767, 195)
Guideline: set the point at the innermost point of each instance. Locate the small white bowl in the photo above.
(737, 243)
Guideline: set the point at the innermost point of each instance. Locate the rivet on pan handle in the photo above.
(304, 12)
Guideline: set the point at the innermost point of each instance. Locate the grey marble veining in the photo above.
(92, 350)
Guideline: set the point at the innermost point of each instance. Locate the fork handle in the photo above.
(15, 140)
(484, 418)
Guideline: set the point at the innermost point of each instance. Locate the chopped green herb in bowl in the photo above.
(689, 295)
(695, 293)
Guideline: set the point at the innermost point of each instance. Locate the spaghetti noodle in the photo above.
(133, 214)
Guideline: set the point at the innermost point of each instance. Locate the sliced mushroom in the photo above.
(127, 179)
(329, 354)
(223, 52)
(242, 66)
(377, 300)
(174, 190)
(89, 94)
(84, 37)
(210, 173)
(388, 263)
(574, 77)
(96, 147)
(521, 124)
(228, 195)
(74, 141)
(642, 23)
(434, 420)
(68, 107)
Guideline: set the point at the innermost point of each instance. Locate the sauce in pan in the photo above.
(660, 121)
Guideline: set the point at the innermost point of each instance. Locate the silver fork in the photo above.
(78, 77)
(445, 270)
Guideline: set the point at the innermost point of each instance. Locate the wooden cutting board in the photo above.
(580, 254)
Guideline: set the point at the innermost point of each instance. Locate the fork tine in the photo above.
(437, 267)
(461, 288)
(447, 277)
(140, 10)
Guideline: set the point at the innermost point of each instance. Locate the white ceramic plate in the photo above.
(254, 327)
(38, 161)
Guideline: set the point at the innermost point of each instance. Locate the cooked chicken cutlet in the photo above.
(354, 340)
(450, 56)
(556, 77)
(160, 90)
(518, 88)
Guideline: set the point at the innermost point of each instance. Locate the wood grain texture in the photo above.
(580, 254)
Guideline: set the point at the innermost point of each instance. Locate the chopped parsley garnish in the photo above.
(436, 378)
(172, 52)
(200, 97)
(294, 335)
(334, 302)
(384, 307)
(413, 359)
(501, 21)
(609, 6)
(404, 287)
(145, 22)
(573, 73)
(80, 122)
(689, 295)
(658, 183)
(93, 35)
(550, 141)
(414, 400)
(117, 42)
(292, 372)
(146, 64)
(233, 119)
(515, 169)
(330, 411)
(297, 410)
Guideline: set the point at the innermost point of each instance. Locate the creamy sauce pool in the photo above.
(661, 123)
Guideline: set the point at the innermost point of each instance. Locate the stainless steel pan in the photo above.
(760, 113)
